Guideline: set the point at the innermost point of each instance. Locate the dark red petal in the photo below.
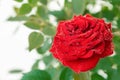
(109, 25)
(89, 39)
(94, 43)
(100, 48)
(87, 54)
(88, 15)
(82, 65)
(107, 35)
(60, 27)
(108, 49)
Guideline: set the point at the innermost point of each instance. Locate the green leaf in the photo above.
(32, 25)
(118, 23)
(33, 2)
(14, 71)
(36, 65)
(68, 9)
(48, 59)
(16, 9)
(116, 40)
(91, 1)
(36, 75)
(118, 69)
(109, 73)
(116, 59)
(113, 74)
(67, 3)
(109, 14)
(66, 74)
(42, 12)
(18, 18)
(43, 1)
(48, 30)
(25, 9)
(35, 40)
(114, 2)
(107, 62)
(19, 0)
(96, 76)
(60, 15)
(79, 6)
(45, 47)
(55, 72)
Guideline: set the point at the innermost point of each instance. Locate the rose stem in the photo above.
(82, 76)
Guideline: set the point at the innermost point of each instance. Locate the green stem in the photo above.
(82, 76)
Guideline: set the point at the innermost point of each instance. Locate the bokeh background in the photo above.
(27, 28)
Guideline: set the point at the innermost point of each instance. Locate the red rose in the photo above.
(80, 42)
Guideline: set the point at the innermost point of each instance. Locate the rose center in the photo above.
(73, 29)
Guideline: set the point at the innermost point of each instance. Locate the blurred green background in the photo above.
(42, 16)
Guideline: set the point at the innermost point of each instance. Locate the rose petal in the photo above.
(87, 54)
(90, 38)
(108, 49)
(80, 42)
(82, 65)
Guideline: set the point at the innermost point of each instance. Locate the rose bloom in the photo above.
(81, 42)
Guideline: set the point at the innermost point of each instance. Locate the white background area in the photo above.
(14, 42)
